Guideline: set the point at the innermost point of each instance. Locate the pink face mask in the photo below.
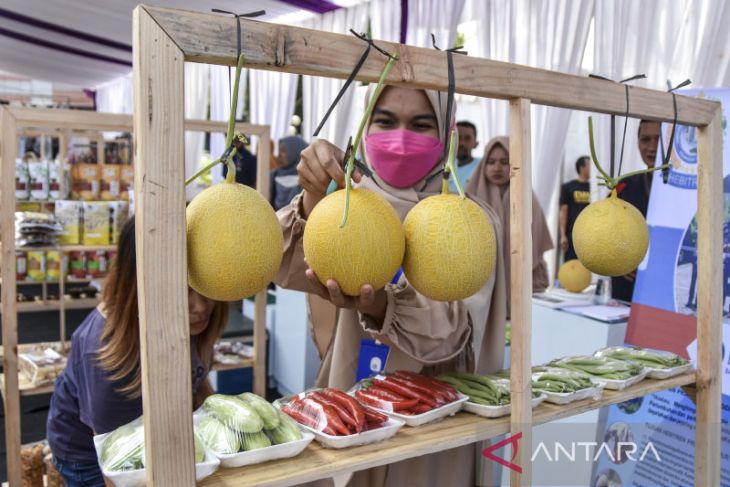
(402, 157)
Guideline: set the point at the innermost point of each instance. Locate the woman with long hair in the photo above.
(100, 388)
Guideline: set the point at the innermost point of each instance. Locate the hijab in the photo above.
(285, 180)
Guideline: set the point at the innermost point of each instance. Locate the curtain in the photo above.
(318, 92)
(426, 17)
(197, 83)
(221, 85)
(115, 96)
(385, 19)
(272, 96)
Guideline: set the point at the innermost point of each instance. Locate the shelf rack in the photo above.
(17, 121)
(164, 39)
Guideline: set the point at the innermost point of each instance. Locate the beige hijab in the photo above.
(480, 186)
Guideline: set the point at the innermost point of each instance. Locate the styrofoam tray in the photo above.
(667, 373)
(568, 397)
(619, 385)
(138, 478)
(261, 455)
(386, 431)
(433, 415)
(497, 411)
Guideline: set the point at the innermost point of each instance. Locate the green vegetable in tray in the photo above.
(648, 358)
(600, 367)
(234, 413)
(487, 390)
(217, 437)
(199, 450)
(268, 413)
(559, 380)
(123, 449)
(254, 441)
(286, 432)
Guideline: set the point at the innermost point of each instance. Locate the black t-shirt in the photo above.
(636, 190)
(577, 196)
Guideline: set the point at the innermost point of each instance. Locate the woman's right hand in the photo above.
(320, 163)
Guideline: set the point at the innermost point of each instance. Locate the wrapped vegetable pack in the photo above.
(489, 395)
(247, 429)
(121, 455)
(613, 373)
(660, 364)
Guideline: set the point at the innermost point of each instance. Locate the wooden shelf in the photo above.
(26, 387)
(244, 364)
(35, 307)
(317, 462)
(27, 282)
(68, 248)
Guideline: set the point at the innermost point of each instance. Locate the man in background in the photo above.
(636, 190)
(465, 163)
(575, 195)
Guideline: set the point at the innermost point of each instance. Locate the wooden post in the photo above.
(161, 254)
(11, 395)
(520, 228)
(709, 302)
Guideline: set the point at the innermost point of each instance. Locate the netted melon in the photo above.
(235, 243)
(451, 247)
(573, 276)
(368, 249)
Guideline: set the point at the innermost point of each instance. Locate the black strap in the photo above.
(668, 153)
(451, 89)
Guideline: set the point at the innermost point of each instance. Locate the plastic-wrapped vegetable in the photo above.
(652, 359)
(286, 432)
(234, 413)
(123, 449)
(254, 441)
(216, 436)
(603, 367)
(268, 413)
(560, 380)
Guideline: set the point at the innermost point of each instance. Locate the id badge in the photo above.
(372, 359)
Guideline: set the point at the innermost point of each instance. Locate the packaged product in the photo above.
(77, 264)
(97, 216)
(42, 365)
(96, 264)
(36, 266)
(55, 174)
(53, 266)
(38, 172)
(69, 214)
(22, 180)
(85, 181)
(21, 266)
(110, 181)
(119, 215)
(126, 179)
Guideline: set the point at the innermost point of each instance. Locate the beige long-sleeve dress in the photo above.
(424, 335)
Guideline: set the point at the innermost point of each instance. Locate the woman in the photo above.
(403, 147)
(100, 389)
(284, 181)
(491, 183)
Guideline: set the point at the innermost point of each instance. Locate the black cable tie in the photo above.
(455, 49)
(668, 153)
(371, 43)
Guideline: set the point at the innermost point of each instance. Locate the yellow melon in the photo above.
(235, 243)
(451, 247)
(367, 250)
(610, 237)
(573, 276)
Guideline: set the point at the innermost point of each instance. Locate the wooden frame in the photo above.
(17, 121)
(164, 38)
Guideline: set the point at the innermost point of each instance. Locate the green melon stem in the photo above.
(608, 181)
(231, 127)
(451, 167)
(350, 167)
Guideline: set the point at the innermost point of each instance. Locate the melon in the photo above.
(235, 243)
(610, 237)
(573, 276)
(368, 249)
(451, 247)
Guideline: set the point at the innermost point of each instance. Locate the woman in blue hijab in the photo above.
(285, 180)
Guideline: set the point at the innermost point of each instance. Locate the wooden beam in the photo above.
(11, 395)
(214, 126)
(709, 302)
(71, 119)
(161, 254)
(520, 228)
(211, 38)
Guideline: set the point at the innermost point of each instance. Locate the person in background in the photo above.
(574, 196)
(491, 184)
(245, 165)
(285, 180)
(100, 388)
(465, 163)
(636, 190)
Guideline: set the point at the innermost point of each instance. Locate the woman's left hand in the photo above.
(369, 302)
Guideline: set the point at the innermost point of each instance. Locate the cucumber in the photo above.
(268, 413)
(217, 436)
(254, 441)
(233, 413)
(286, 432)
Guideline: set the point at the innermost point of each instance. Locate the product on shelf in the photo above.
(85, 181)
(97, 223)
(486, 390)
(77, 264)
(230, 352)
(22, 180)
(600, 367)
(653, 359)
(126, 181)
(55, 173)
(96, 264)
(36, 266)
(406, 393)
(35, 229)
(119, 216)
(42, 365)
(53, 266)
(31, 466)
(21, 266)
(110, 181)
(38, 171)
(69, 215)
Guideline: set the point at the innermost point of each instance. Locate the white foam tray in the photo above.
(667, 373)
(433, 415)
(618, 385)
(568, 397)
(497, 411)
(386, 431)
(138, 478)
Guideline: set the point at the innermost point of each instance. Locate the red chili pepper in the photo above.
(421, 408)
(356, 410)
(344, 415)
(330, 415)
(374, 417)
(425, 386)
(386, 394)
(377, 402)
(442, 387)
(409, 389)
(301, 417)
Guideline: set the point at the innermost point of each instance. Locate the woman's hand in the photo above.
(320, 163)
(370, 302)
